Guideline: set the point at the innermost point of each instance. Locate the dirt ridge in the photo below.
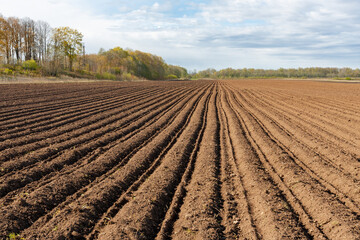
(247, 159)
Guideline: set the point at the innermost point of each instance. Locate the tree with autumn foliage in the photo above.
(69, 42)
(5, 39)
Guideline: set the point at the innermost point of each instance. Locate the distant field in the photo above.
(245, 159)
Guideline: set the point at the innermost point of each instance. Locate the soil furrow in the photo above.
(54, 149)
(328, 102)
(155, 194)
(316, 104)
(90, 124)
(41, 109)
(237, 215)
(52, 107)
(136, 159)
(172, 214)
(199, 216)
(269, 208)
(205, 159)
(65, 116)
(334, 218)
(325, 124)
(58, 92)
(97, 199)
(13, 182)
(55, 193)
(341, 160)
(339, 183)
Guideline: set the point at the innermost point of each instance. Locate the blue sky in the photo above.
(212, 34)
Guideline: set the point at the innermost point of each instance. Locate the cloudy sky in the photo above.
(212, 34)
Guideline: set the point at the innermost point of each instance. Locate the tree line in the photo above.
(312, 72)
(123, 64)
(35, 48)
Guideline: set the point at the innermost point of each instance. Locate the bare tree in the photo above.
(16, 37)
(43, 33)
(28, 30)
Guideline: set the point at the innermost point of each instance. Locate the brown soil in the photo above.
(246, 159)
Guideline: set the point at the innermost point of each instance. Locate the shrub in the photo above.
(8, 71)
(18, 69)
(105, 75)
(171, 76)
(30, 65)
(128, 76)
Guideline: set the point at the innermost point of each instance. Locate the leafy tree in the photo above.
(5, 41)
(69, 41)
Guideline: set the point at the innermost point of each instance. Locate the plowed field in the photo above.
(246, 159)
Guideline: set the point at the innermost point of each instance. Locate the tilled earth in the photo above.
(246, 159)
